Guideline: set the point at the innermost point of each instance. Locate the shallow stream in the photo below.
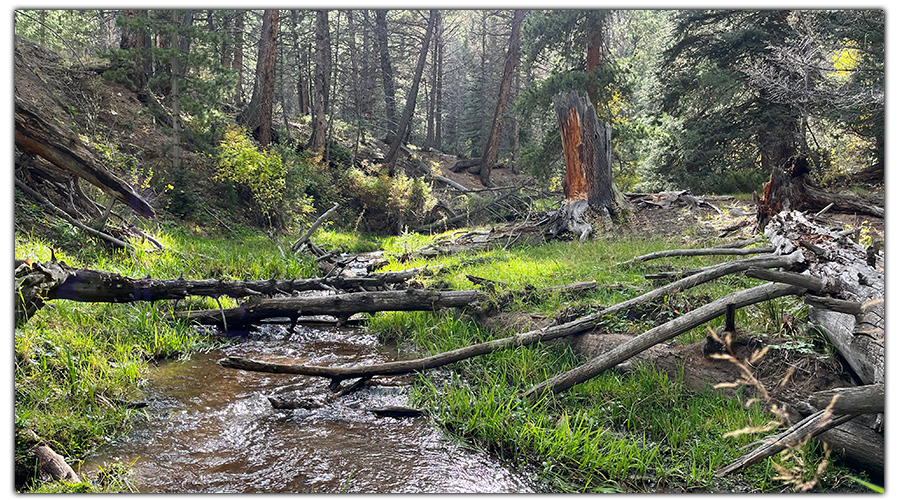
(213, 429)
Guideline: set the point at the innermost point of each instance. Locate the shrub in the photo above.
(257, 173)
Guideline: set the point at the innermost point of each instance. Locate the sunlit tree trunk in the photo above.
(489, 156)
(257, 116)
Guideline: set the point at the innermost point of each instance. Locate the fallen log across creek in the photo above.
(256, 310)
(37, 282)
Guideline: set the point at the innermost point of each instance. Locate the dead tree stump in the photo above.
(589, 181)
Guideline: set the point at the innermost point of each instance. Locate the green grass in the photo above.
(635, 432)
(77, 364)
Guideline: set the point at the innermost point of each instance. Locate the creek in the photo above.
(213, 429)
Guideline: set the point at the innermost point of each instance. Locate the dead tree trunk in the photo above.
(659, 334)
(41, 281)
(339, 306)
(589, 181)
(59, 146)
(854, 323)
(405, 118)
(790, 188)
(489, 156)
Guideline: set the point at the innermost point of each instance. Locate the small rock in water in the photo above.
(396, 412)
(280, 403)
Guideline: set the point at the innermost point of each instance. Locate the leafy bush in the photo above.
(260, 174)
(387, 204)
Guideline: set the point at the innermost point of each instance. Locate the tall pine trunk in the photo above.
(257, 116)
(238, 60)
(489, 155)
(320, 84)
(406, 118)
(387, 76)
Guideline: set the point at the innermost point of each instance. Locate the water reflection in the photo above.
(211, 429)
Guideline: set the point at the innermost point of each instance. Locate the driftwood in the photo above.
(340, 306)
(659, 334)
(42, 137)
(693, 252)
(322, 218)
(37, 282)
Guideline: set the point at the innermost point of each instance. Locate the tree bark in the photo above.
(391, 157)
(659, 334)
(489, 155)
(341, 306)
(44, 138)
(257, 116)
(387, 76)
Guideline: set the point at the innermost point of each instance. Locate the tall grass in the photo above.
(78, 366)
(637, 432)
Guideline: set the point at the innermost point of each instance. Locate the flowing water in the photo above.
(213, 429)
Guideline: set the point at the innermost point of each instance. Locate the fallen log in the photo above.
(796, 435)
(339, 373)
(461, 165)
(444, 223)
(659, 334)
(542, 335)
(71, 220)
(43, 137)
(38, 282)
(850, 400)
(693, 252)
(842, 265)
(342, 306)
